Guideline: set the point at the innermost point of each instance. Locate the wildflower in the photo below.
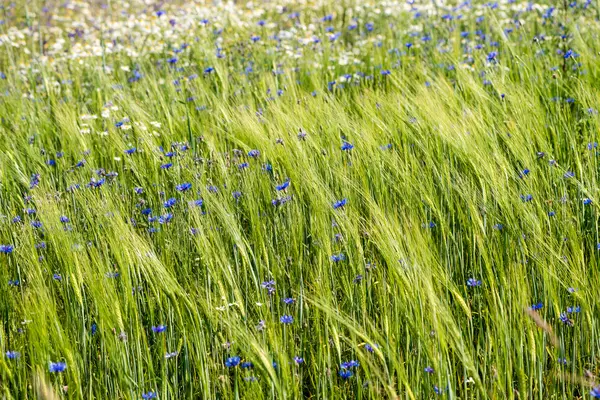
(170, 202)
(12, 355)
(347, 146)
(261, 325)
(183, 187)
(472, 282)
(340, 203)
(346, 374)
(289, 300)
(595, 392)
(254, 153)
(247, 365)
(232, 362)
(130, 150)
(283, 186)
(371, 348)
(298, 360)
(350, 364)
(286, 319)
(149, 395)
(536, 307)
(159, 328)
(565, 319)
(587, 201)
(492, 56)
(171, 355)
(357, 279)
(6, 248)
(338, 257)
(57, 367)
(166, 166)
(429, 370)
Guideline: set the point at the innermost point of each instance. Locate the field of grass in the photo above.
(299, 199)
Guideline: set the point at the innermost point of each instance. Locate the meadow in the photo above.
(299, 199)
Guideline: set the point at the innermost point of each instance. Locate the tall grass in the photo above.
(468, 181)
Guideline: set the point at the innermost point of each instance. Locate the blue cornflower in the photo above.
(347, 146)
(565, 319)
(472, 282)
(6, 248)
(57, 366)
(429, 370)
(573, 309)
(138, 190)
(286, 319)
(350, 364)
(57, 277)
(131, 150)
(492, 56)
(346, 374)
(12, 355)
(149, 395)
(526, 197)
(551, 213)
(298, 360)
(170, 202)
(232, 362)
(166, 166)
(283, 186)
(289, 300)
(159, 328)
(371, 348)
(243, 165)
(537, 306)
(569, 174)
(338, 257)
(184, 187)
(340, 203)
(595, 392)
(247, 365)
(254, 153)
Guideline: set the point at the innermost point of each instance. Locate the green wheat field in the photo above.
(299, 199)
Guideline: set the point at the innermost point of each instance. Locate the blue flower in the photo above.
(298, 360)
(429, 370)
(184, 187)
(6, 248)
(166, 166)
(283, 186)
(537, 306)
(289, 300)
(340, 203)
(170, 202)
(286, 319)
(57, 367)
(12, 355)
(131, 150)
(149, 395)
(247, 365)
(338, 257)
(565, 319)
(159, 328)
(587, 201)
(232, 362)
(492, 56)
(595, 392)
(472, 282)
(347, 146)
(350, 364)
(346, 374)
(254, 153)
